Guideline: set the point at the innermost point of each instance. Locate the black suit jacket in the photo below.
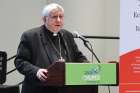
(36, 52)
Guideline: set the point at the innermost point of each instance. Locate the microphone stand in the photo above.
(91, 50)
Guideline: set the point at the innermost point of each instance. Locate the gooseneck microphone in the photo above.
(77, 35)
(86, 43)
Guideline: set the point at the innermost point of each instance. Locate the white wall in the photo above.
(88, 17)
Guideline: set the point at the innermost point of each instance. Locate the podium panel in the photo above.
(60, 74)
(81, 77)
(90, 74)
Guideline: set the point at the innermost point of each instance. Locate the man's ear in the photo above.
(44, 18)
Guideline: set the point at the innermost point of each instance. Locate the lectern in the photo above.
(81, 77)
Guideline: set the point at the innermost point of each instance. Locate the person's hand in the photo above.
(42, 74)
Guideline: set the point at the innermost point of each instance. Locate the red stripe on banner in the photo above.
(130, 72)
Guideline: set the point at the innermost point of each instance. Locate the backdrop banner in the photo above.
(129, 46)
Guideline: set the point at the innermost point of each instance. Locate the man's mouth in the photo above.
(57, 25)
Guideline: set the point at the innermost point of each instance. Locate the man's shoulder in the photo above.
(32, 31)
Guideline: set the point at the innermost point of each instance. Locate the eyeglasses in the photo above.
(56, 17)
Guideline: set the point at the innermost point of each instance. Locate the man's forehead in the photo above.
(56, 12)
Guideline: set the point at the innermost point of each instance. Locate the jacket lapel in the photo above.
(47, 47)
(64, 38)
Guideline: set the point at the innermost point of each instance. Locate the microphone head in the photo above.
(77, 35)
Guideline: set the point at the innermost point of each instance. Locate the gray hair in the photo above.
(48, 8)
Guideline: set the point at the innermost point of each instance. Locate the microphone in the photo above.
(77, 35)
(86, 43)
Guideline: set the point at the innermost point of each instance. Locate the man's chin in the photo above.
(57, 30)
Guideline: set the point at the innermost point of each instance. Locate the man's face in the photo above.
(55, 20)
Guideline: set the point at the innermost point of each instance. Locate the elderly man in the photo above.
(41, 46)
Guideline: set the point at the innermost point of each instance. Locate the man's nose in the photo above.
(58, 18)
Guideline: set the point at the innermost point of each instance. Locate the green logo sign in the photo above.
(90, 74)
